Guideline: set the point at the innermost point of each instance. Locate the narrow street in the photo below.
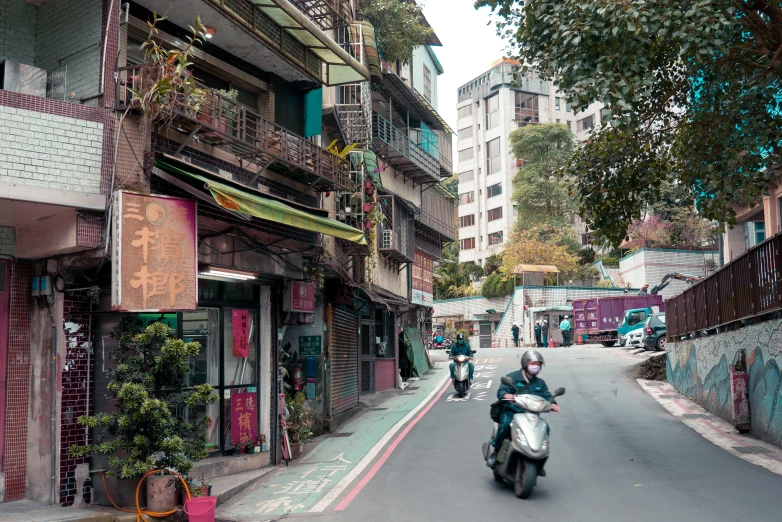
(617, 455)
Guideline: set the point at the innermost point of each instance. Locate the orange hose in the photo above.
(141, 512)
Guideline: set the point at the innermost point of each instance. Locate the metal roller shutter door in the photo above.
(344, 365)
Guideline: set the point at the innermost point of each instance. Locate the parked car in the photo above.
(636, 338)
(654, 332)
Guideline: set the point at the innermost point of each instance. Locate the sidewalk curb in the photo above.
(713, 428)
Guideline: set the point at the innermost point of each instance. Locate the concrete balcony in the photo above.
(402, 153)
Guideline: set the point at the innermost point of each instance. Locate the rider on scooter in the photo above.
(462, 347)
(527, 382)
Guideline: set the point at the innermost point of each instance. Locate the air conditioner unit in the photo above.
(21, 78)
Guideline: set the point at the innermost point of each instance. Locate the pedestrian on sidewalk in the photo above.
(515, 331)
(565, 327)
(538, 329)
(544, 332)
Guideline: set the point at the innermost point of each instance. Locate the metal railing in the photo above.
(222, 121)
(747, 287)
(396, 235)
(326, 14)
(384, 132)
(438, 213)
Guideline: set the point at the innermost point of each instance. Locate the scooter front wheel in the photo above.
(526, 475)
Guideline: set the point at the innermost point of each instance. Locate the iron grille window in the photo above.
(495, 214)
(465, 111)
(467, 197)
(468, 243)
(494, 190)
(492, 112)
(493, 160)
(465, 154)
(467, 221)
(427, 83)
(467, 175)
(495, 238)
(465, 133)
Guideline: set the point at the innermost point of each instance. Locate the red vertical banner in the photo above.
(244, 418)
(240, 325)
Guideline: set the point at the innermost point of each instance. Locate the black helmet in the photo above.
(460, 337)
(531, 356)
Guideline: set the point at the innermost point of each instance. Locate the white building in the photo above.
(490, 107)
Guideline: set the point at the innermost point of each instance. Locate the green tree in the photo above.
(541, 186)
(399, 27)
(689, 88)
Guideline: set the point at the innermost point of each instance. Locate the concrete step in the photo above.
(229, 465)
(227, 487)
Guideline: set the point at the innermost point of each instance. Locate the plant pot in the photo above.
(252, 450)
(367, 224)
(295, 450)
(367, 184)
(126, 493)
(367, 207)
(161, 493)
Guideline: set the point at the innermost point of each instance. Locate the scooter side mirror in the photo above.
(473, 352)
(508, 381)
(448, 352)
(559, 392)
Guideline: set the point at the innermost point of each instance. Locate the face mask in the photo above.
(533, 370)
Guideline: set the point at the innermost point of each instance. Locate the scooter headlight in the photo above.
(544, 446)
(521, 437)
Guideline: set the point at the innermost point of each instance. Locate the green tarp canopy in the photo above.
(256, 205)
(416, 352)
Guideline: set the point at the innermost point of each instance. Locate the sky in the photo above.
(469, 47)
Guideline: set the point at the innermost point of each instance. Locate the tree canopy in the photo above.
(399, 27)
(691, 90)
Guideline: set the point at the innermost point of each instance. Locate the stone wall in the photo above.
(698, 368)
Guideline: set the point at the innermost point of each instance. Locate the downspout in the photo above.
(53, 370)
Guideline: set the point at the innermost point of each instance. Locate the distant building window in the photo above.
(495, 238)
(527, 108)
(586, 123)
(427, 83)
(468, 243)
(493, 160)
(494, 214)
(465, 133)
(467, 197)
(494, 190)
(465, 111)
(492, 112)
(467, 175)
(467, 221)
(465, 154)
(556, 103)
(567, 107)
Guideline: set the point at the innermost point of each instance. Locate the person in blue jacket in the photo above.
(462, 347)
(527, 382)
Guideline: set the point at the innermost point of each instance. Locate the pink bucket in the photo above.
(201, 509)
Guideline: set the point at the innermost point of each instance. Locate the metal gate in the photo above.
(367, 357)
(344, 364)
(485, 335)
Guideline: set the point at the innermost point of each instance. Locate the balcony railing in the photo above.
(437, 216)
(407, 158)
(326, 14)
(225, 123)
(396, 235)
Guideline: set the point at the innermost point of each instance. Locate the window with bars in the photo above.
(466, 154)
(465, 111)
(494, 214)
(427, 83)
(494, 190)
(495, 238)
(492, 111)
(467, 175)
(465, 133)
(467, 221)
(468, 243)
(467, 197)
(493, 160)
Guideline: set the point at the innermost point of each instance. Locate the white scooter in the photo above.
(521, 458)
(461, 374)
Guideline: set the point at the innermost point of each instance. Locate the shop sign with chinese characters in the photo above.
(154, 254)
(244, 418)
(423, 279)
(300, 297)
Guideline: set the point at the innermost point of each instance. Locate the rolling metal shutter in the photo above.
(344, 364)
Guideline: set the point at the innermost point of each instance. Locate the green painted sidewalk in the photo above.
(312, 484)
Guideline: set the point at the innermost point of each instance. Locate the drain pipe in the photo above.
(53, 370)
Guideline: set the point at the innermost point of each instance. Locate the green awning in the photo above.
(256, 205)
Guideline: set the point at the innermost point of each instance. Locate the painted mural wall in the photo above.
(698, 368)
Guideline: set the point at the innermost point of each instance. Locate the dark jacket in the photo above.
(544, 329)
(538, 329)
(460, 348)
(535, 386)
(515, 331)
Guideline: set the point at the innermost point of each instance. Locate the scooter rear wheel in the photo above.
(461, 388)
(497, 476)
(526, 475)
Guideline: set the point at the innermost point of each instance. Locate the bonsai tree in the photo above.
(149, 429)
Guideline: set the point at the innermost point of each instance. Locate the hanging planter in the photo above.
(369, 189)
(367, 207)
(367, 184)
(367, 224)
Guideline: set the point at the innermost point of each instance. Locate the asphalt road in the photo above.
(616, 456)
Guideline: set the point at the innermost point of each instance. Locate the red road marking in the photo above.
(372, 472)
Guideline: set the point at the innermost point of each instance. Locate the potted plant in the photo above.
(148, 429)
(299, 421)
